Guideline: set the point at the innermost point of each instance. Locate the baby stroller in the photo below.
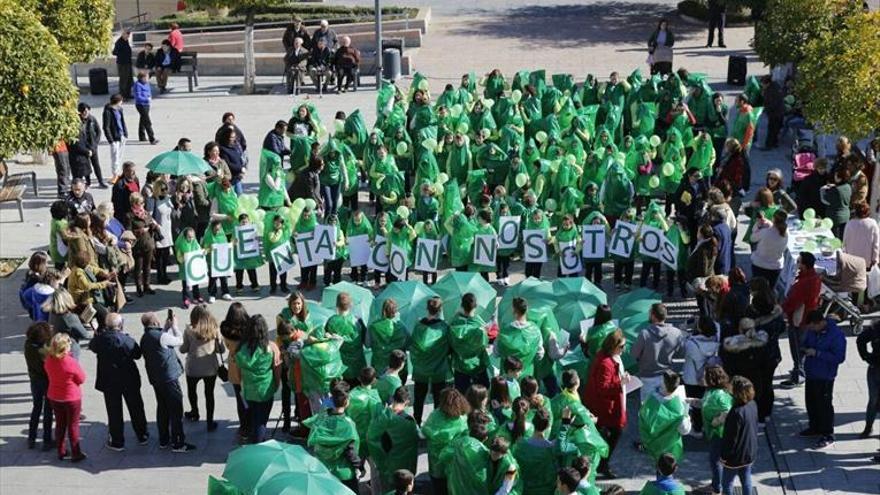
(803, 156)
(851, 277)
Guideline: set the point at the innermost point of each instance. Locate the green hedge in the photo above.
(698, 10)
(283, 13)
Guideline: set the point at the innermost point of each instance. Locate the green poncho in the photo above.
(468, 341)
(716, 401)
(597, 334)
(639, 166)
(498, 471)
(480, 229)
(227, 204)
(582, 440)
(386, 335)
(391, 189)
(246, 263)
(55, 227)
(393, 443)
(745, 120)
(519, 340)
(300, 150)
(270, 167)
(273, 238)
(459, 162)
(494, 86)
(355, 131)
(334, 164)
(461, 231)
(429, 351)
(677, 235)
(257, 379)
(617, 191)
(210, 238)
(673, 153)
(330, 435)
(320, 363)
(379, 169)
(427, 169)
(703, 156)
(182, 245)
(386, 385)
(466, 465)
(352, 348)
(538, 466)
(364, 404)
(658, 426)
(439, 431)
(768, 212)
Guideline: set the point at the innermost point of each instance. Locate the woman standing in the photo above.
(260, 362)
(65, 378)
(605, 395)
(232, 329)
(739, 445)
(161, 209)
(660, 48)
(203, 347)
(143, 226)
(836, 198)
(446, 422)
(861, 236)
(219, 167)
(38, 337)
(772, 241)
(735, 169)
(233, 155)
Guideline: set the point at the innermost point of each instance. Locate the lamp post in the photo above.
(378, 11)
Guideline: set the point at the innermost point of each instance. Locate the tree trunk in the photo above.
(250, 65)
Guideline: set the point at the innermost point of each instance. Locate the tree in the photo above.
(788, 25)
(838, 77)
(82, 27)
(37, 97)
(249, 8)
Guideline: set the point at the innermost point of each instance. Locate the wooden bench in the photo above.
(13, 186)
(189, 66)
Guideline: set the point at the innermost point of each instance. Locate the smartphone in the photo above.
(170, 314)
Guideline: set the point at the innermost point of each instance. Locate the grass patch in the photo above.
(310, 13)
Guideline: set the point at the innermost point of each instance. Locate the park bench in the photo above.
(189, 67)
(12, 187)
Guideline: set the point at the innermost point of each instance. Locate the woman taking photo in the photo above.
(771, 240)
(605, 395)
(65, 378)
(233, 329)
(660, 48)
(204, 351)
(259, 360)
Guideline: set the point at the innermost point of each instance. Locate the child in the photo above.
(502, 258)
(186, 243)
(678, 235)
(593, 266)
(364, 403)
(429, 352)
(401, 236)
(663, 419)
(349, 467)
(358, 225)
(484, 227)
(427, 207)
(57, 247)
(393, 439)
(33, 297)
(390, 379)
(428, 231)
(568, 481)
(38, 265)
(249, 264)
(653, 218)
(306, 224)
(351, 330)
(143, 95)
(503, 475)
(461, 228)
(404, 482)
(215, 235)
(277, 235)
(566, 234)
(381, 229)
(665, 484)
(536, 220)
(387, 334)
(583, 466)
(283, 339)
(536, 456)
(513, 368)
(333, 268)
(623, 267)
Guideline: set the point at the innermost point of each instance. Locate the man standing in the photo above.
(92, 133)
(164, 370)
(871, 338)
(717, 14)
(274, 140)
(118, 378)
(295, 30)
(743, 128)
(122, 50)
(116, 133)
(78, 199)
(802, 299)
(824, 348)
(654, 348)
(122, 191)
(774, 109)
(61, 155)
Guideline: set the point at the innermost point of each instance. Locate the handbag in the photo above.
(222, 370)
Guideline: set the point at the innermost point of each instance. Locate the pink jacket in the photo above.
(65, 378)
(861, 237)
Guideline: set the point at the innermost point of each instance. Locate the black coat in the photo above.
(739, 446)
(275, 143)
(80, 161)
(111, 130)
(145, 60)
(239, 136)
(117, 353)
(173, 61)
(92, 131)
(122, 50)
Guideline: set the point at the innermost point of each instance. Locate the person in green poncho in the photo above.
(715, 404)
(186, 243)
(427, 167)
(385, 335)
(483, 227)
(334, 439)
(520, 338)
(321, 366)
(665, 483)
(494, 84)
(678, 235)
(566, 234)
(503, 475)
(703, 157)
(393, 440)
(466, 461)
(568, 481)
(305, 225)
(428, 230)
(593, 266)
(333, 268)
(653, 218)
(390, 380)
(249, 264)
(364, 405)
(57, 248)
(617, 191)
(584, 467)
(743, 128)
(445, 423)
(429, 352)
(623, 267)
(461, 228)
(259, 361)
(468, 341)
(537, 457)
(459, 161)
(334, 177)
(276, 235)
(351, 330)
(580, 437)
(403, 483)
(536, 220)
(663, 418)
(273, 185)
(401, 236)
(214, 235)
(603, 326)
(222, 193)
(672, 151)
(358, 225)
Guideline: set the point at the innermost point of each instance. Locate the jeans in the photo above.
(715, 463)
(819, 396)
(145, 125)
(795, 336)
(241, 408)
(117, 149)
(873, 397)
(41, 406)
(169, 413)
(421, 393)
(115, 420)
(463, 381)
(258, 415)
(728, 475)
(192, 383)
(237, 185)
(330, 193)
(67, 425)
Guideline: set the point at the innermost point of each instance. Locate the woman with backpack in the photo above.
(700, 352)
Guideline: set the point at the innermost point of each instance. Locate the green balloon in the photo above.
(443, 178)
(339, 125)
(809, 224)
(655, 140)
(401, 148)
(423, 84)
(835, 243)
(654, 182)
(620, 157)
(455, 110)
(429, 144)
(570, 159)
(810, 246)
(541, 136)
(521, 180)
(827, 223)
(809, 214)
(516, 96)
(299, 203)
(668, 169)
(403, 211)
(310, 204)
(462, 128)
(550, 204)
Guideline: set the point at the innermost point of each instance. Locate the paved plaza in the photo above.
(589, 37)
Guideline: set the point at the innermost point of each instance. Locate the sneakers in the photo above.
(186, 304)
(212, 299)
(227, 297)
(191, 415)
(79, 457)
(825, 442)
(808, 433)
(144, 439)
(114, 448)
(164, 446)
(183, 448)
(790, 384)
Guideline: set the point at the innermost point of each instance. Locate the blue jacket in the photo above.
(722, 261)
(830, 346)
(142, 93)
(32, 300)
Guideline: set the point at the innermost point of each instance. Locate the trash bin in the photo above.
(391, 65)
(98, 81)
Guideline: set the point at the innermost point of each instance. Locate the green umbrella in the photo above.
(318, 315)
(304, 483)
(410, 296)
(571, 313)
(251, 466)
(538, 293)
(454, 285)
(178, 163)
(636, 302)
(361, 298)
(572, 289)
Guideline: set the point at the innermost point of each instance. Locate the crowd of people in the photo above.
(661, 152)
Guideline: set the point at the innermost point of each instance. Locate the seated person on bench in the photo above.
(167, 61)
(346, 60)
(319, 64)
(296, 59)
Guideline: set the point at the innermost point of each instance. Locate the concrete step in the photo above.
(362, 41)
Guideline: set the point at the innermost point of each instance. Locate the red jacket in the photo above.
(603, 394)
(804, 291)
(65, 378)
